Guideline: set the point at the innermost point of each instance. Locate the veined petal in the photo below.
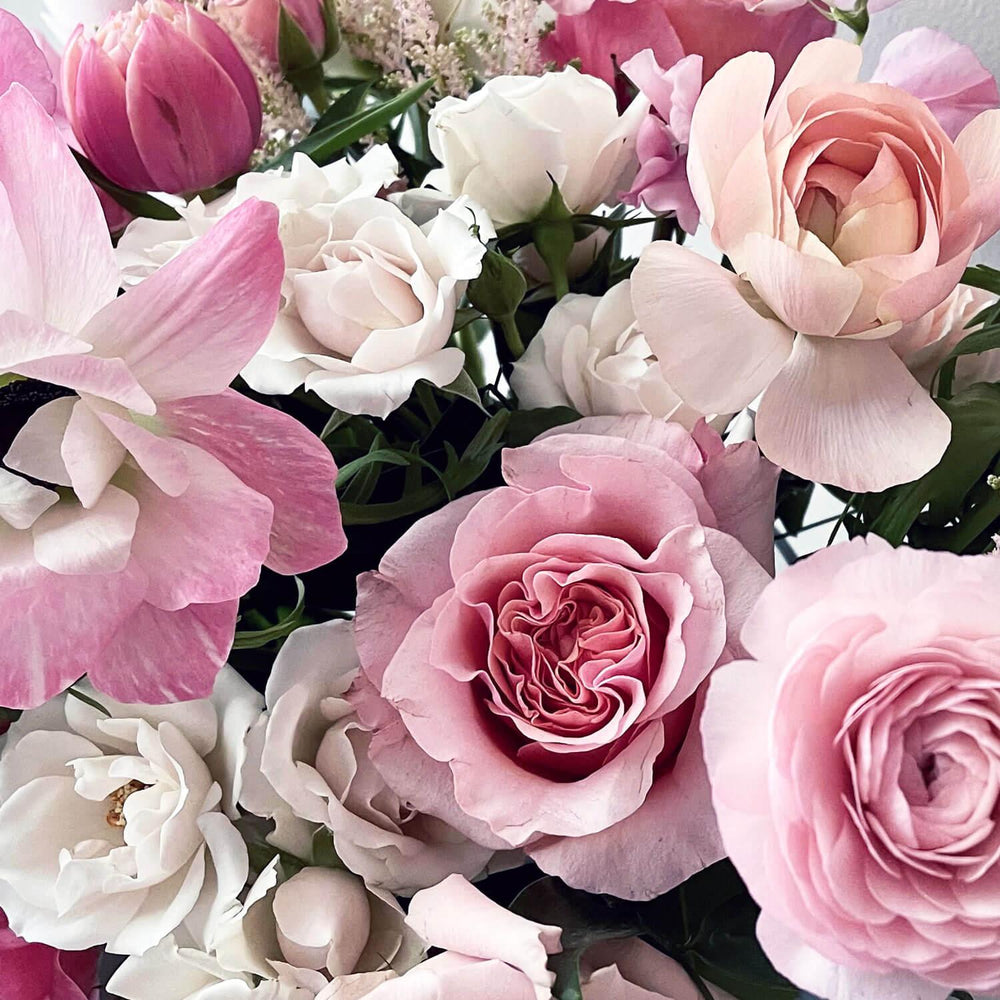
(847, 412)
(90, 453)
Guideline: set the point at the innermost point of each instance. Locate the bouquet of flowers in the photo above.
(389, 501)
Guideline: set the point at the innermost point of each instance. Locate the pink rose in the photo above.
(38, 972)
(308, 761)
(855, 767)
(846, 211)
(540, 648)
(601, 33)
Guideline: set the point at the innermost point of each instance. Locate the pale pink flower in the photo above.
(139, 496)
(855, 767)
(161, 99)
(540, 648)
(943, 73)
(846, 212)
(38, 972)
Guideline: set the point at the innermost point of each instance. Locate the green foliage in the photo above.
(143, 205)
(986, 338)
(953, 507)
(285, 626)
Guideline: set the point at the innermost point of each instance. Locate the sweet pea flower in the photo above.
(847, 212)
(946, 75)
(38, 972)
(139, 496)
(258, 21)
(562, 127)
(855, 768)
(308, 761)
(116, 829)
(161, 99)
(604, 33)
(540, 649)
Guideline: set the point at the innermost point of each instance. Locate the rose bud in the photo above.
(161, 99)
(292, 35)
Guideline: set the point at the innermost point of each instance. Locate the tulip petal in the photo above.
(56, 213)
(847, 412)
(39, 655)
(99, 116)
(218, 530)
(978, 145)
(715, 350)
(276, 456)
(811, 295)
(944, 74)
(157, 657)
(186, 139)
(726, 118)
(194, 344)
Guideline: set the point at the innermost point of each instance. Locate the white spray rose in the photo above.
(114, 829)
(308, 764)
(505, 144)
(369, 296)
(589, 354)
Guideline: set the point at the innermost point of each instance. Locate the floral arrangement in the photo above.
(390, 491)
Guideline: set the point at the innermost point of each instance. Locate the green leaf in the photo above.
(87, 700)
(285, 627)
(332, 29)
(526, 425)
(382, 456)
(344, 107)
(500, 287)
(554, 237)
(136, 202)
(337, 419)
(322, 145)
(295, 51)
(464, 388)
(324, 852)
(975, 416)
(983, 276)
(987, 339)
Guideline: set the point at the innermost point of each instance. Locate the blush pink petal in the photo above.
(196, 344)
(715, 349)
(199, 636)
(457, 977)
(869, 423)
(457, 917)
(41, 655)
(90, 453)
(811, 295)
(23, 62)
(158, 457)
(976, 145)
(165, 68)
(279, 458)
(218, 528)
(943, 73)
(60, 223)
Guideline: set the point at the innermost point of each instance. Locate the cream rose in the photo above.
(369, 295)
(504, 145)
(117, 829)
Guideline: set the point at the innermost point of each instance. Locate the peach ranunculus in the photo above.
(847, 212)
(855, 767)
(541, 648)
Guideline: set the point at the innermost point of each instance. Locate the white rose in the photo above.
(308, 760)
(589, 354)
(113, 829)
(505, 144)
(369, 296)
(321, 935)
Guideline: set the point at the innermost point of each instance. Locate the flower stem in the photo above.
(512, 335)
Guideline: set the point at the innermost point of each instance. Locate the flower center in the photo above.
(19, 399)
(118, 798)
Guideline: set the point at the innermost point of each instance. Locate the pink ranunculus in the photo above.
(38, 972)
(946, 75)
(161, 99)
(139, 495)
(258, 22)
(855, 767)
(846, 212)
(493, 954)
(603, 33)
(541, 648)
(661, 183)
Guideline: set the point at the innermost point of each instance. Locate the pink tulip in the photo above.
(259, 21)
(161, 99)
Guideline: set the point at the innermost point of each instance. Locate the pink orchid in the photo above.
(139, 496)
